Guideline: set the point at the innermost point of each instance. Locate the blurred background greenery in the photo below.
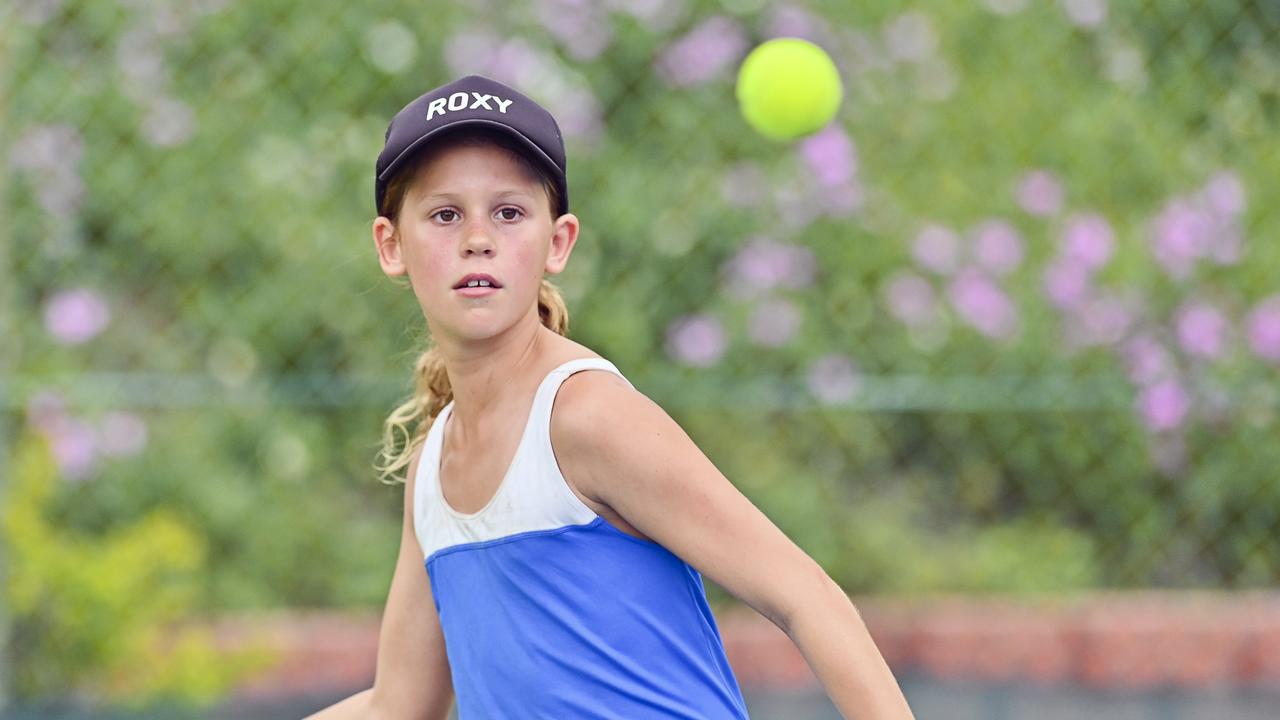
(1010, 323)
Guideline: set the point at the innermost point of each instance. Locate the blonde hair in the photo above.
(412, 419)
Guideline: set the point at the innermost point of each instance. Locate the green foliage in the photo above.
(92, 612)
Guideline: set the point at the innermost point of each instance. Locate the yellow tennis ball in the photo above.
(788, 88)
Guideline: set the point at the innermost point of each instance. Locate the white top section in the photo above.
(533, 495)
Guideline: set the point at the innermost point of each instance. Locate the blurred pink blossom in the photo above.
(793, 21)
(1146, 360)
(937, 248)
(1163, 405)
(698, 339)
(911, 298)
(1067, 283)
(1263, 328)
(73, 317)
(122, 434)
(1088, 240)
(1224, 193)
(44, 409)
(997, 247)
(74, 446)
(1188, 229)
(580, 26)
(1040, 193)
(762, 264)
(1100, 320)
(1085, 13)
(841, 200)
(983, 304)
(774, 322)
(1202, 329)
(707, 51)
(830, 155)
(833, 378)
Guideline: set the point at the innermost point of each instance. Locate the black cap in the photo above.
(477, 101)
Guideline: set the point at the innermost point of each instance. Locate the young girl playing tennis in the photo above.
(565, 519)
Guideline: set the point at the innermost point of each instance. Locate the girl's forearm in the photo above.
(836, 644)
(356, 707)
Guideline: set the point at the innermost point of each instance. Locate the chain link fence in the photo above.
(1011, 323)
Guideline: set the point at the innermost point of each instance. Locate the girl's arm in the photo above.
(412, 679)
(620, 448)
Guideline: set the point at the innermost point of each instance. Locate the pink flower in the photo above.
(1263, 326)
(774, 322)
(1202, 330)
(1085, 13)
(997, 246)
(792, 21)
(763, 264)
(1101, 320)
(841, 200)
(74, 446)
(1088, 240)
(1067, 283)
(982, 304)
(1224, 193)
(830, 156)
(712, 47)
(45, 408)
(75, 316)
(1147, 361)
(1181, 234)
(582, 28)
(1163, 405)
(937, 248)
(697, 339)
(122, 434)
(911, 298)
(1040, 193)
(833, 379)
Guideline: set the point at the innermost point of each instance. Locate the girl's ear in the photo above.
(564, 235)
(388, 246)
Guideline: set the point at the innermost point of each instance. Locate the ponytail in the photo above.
(414, 417)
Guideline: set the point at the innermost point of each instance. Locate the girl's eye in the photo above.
(451, 214)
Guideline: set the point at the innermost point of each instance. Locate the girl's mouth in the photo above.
(478, 291)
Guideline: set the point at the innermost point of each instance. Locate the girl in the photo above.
(563, 518)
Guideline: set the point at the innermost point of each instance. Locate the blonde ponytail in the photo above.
(414, 417)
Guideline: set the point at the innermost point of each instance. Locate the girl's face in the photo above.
(472, 210)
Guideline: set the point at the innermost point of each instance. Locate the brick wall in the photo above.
(1119, 640)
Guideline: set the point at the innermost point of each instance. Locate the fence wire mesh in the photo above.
(1011, 322)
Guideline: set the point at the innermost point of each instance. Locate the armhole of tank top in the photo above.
(561, 483)
(425, 456)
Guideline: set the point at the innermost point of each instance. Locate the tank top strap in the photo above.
(544, 468)
(545, 399)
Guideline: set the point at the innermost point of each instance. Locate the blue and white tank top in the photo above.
(550, 611)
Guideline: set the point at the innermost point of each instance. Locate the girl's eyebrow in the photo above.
(455, 197)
